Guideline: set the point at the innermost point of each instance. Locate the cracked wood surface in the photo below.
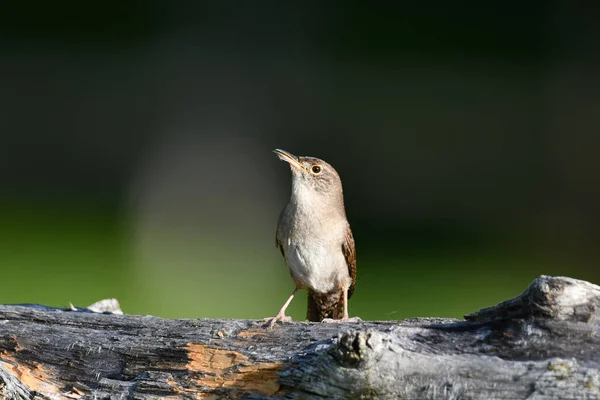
(542, 344)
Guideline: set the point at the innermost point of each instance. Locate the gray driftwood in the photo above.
(543, 344)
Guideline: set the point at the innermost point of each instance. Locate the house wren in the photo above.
(315, 239)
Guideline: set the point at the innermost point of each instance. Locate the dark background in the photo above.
(136, 159)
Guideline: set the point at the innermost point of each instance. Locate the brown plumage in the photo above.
(315, 239)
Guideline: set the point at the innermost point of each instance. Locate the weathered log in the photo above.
(542, 344)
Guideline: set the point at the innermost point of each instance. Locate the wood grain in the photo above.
(543, 344)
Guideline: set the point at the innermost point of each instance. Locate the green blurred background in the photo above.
(136, 150)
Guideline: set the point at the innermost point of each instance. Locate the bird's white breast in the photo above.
(315, 262)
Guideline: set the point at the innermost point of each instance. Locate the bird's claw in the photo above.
(346, 319)
(270, 322)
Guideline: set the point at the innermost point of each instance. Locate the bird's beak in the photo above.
(290, 159)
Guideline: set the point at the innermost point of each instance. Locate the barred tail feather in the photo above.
(327, 305)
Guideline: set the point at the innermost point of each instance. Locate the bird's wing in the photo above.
(278, 244)
(350, 255)
(281, 234)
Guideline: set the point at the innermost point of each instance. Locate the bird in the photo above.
(316, 241)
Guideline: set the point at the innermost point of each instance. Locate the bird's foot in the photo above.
(270, 322)
(345, 319)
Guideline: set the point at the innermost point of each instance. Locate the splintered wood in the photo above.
(232, 370)
(542, 344)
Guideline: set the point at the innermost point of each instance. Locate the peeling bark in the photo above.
(542, 344)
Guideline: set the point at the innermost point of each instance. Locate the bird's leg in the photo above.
(345, 318)
(270, 322)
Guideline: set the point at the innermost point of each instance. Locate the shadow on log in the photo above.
(542, 344)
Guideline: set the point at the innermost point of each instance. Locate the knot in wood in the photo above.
(565, 298)
(354, 348)
(548, 297)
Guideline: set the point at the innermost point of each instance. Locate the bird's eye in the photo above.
(316, 169)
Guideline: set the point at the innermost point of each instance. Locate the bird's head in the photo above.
(311, 176)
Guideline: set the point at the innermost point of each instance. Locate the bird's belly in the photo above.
(316, 267)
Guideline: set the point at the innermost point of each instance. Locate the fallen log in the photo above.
(542, 344)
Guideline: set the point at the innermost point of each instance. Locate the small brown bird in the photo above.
(315, 239)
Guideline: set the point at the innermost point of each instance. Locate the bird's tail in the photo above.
(325, 305)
